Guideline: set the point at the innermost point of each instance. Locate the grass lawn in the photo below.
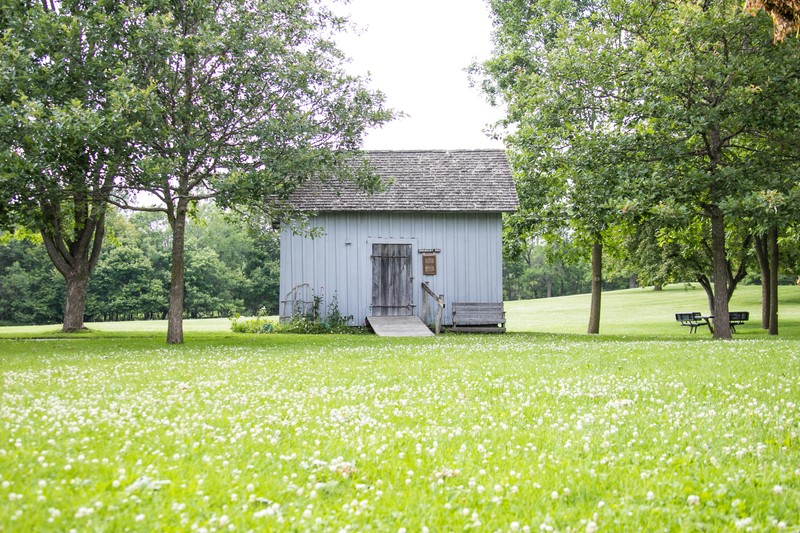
(642, 428)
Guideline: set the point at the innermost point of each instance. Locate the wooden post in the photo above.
(439, 314)
(439, 300)
(425, 307)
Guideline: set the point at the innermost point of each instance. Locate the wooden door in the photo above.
(391, 280)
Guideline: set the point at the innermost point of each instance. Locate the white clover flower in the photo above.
(554, 495)
(591, 527)
(650, 495)
(693, 500)
(743, 522)
(777, 489)
(139, 517)
(84, 511)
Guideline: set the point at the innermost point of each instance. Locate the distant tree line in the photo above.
(230, 268)
(537, 268)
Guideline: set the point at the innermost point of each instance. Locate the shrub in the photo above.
(259, 324)
(332, 322)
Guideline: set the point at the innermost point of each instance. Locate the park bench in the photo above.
(479, 317)
(737, 318)
(692, 320)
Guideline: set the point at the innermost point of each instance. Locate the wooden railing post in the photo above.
(439, 300)
(425, 307)
(439, 314)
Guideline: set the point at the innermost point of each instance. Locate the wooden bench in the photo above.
(691, 320)
(479, 317)
(737, 318)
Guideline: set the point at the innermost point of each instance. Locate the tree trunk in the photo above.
(75, 304)
(549, 287)
(760, 245)
(176, 287)
(75, 257)
(722, 325)
(597, 288)
(632, 283)
(658, 287)
(772, 246)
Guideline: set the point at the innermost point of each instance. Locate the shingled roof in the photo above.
(422, 180)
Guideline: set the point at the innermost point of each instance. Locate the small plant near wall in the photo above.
(332, 321)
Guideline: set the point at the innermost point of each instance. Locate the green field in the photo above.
(643, 428)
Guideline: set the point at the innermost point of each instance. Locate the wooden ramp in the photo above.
(399, 326)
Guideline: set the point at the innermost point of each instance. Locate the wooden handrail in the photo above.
(438, 299)
(426, 292)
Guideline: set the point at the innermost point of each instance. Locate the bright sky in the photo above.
(416, 52)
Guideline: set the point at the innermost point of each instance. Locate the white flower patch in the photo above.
(231, 423)
(147, 483)
(618, 403)
(444, 473)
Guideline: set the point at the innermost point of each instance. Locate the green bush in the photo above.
(259, 324)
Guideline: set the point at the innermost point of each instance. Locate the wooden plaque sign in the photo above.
(428, 265)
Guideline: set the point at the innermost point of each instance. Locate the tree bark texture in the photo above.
(760, 245)
(722, 325)
(772, 247)
(597, 288)
(177, 285)
(75, 259)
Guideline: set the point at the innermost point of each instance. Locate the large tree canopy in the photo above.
(251, 98)
(676, 112)
(67, 118)
(236, 100)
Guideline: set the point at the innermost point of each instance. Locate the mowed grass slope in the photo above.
(516, 432)
(645, 312)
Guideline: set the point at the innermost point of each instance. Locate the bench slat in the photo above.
(478, 321)
(478, 316)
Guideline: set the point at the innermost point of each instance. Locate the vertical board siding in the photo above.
(469, 266)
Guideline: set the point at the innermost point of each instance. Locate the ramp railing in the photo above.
(438, 300)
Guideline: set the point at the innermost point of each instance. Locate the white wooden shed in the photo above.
(439, 222)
